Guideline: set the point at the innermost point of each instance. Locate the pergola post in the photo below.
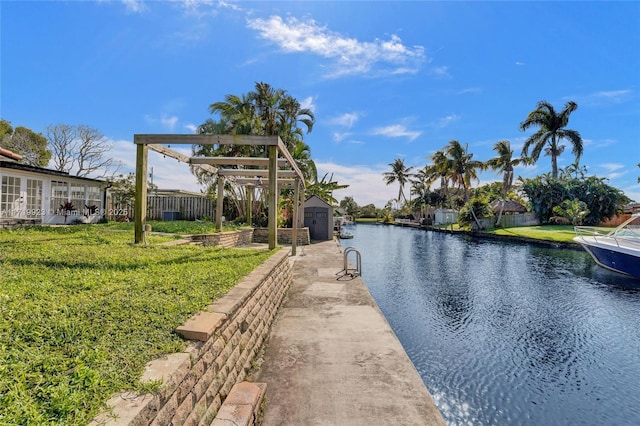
(273, 197)
(140, 210)
(294, 218)
(249, 190)
(219, 203)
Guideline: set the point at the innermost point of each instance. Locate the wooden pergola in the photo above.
(281, 173)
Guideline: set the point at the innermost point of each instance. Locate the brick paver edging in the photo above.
(225, 340)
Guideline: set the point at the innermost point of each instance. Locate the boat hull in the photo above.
(624, 260)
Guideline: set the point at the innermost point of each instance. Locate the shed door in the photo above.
(317, 220)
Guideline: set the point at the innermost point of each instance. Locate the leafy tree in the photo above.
(30, 145)
(544, 193)
(399, 173)
(369, 211)
(476, 208)
(574, 210)
(551, 131)
(324, 188)
(81, 148)
(350, 206)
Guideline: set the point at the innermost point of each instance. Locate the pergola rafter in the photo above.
(277, 177)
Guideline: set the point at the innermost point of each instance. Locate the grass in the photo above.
(82, 310)
(556, 233)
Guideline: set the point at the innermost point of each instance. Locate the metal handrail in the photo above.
(352, 272)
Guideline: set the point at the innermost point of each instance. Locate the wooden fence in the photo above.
(164, 207)
(510, 220)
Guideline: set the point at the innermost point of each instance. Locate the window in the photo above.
(59, 195)
(94, 200)
(10, 197)
(308, 214)
(321, 215)
(34, 198)
(78, 196)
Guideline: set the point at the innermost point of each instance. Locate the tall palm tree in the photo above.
(462, 169)
(439, 169)
(505, 163)
(399, 173)
(551, 131)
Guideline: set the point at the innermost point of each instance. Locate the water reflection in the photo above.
(506, 333)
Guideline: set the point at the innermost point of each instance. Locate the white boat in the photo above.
(618, 250)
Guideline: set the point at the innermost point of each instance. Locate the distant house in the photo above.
(30, 194)
(318, 217)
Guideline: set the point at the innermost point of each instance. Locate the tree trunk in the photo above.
(501, 211)
(475, 218)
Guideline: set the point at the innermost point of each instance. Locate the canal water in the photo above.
(508, 333)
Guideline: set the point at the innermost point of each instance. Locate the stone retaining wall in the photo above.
(285, 236)
(225, 239)
(226, 338)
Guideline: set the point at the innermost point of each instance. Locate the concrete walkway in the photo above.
(331, 357)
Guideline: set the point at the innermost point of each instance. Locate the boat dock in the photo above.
(331, 357)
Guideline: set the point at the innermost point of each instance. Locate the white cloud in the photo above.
(397, 131)
(193, 128)
(165, 121)
(366, 185)
(339, 137)
(441, 72)
(611, 167)
(349, 55)
(346, 120)
(602, 97)
(520, 63)
(135, 6)
(446, 120)
(308, 103)
(473, 90)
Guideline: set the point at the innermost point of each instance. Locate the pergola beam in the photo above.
(169, 139)
(180, 157)
(254, 172)
(236, 161)
(282, 182)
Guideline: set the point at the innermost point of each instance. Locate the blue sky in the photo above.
(385, 80)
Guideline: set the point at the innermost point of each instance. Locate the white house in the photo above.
(30, 194)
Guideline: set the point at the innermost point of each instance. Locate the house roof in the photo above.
(314, 198)
(510, 206)
(27, 168)
(10, 155)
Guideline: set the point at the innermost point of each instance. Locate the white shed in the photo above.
(445, 217)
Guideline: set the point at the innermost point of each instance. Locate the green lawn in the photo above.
(82, 310)
(557, 233)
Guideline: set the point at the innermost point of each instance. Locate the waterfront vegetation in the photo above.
(83, 309)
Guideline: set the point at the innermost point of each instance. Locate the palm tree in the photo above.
(439, 170)
(399, 173)
(504, 163)
(551, 131)
(462, 169)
